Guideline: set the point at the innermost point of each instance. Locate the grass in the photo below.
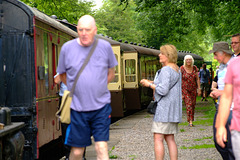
(204, 122)
(200, 139)
(202, 129)
(148, 116)
(111, 156)
(208, 111)
(199, 146)
(132, 157)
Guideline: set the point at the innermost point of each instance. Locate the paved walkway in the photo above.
(131, 139)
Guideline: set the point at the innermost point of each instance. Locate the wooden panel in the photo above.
(56, 38)
(132, 99)
(117, 104)
(48, 125)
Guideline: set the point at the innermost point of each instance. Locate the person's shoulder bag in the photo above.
(64, 111)
(151, 108)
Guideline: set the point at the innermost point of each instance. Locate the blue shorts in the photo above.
(86, 124)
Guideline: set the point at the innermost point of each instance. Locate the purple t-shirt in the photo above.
(91, 92)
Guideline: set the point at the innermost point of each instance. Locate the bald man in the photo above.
(90, 107)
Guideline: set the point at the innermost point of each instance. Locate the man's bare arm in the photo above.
(63, 78)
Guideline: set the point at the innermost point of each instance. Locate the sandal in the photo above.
(190, 125)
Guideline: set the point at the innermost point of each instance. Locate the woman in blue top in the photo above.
(168, 93)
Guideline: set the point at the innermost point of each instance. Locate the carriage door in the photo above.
(130, 78)
(130, 81)
(115, 86)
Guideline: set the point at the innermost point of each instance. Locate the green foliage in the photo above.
(152, 22)
(70, 10)
(190, 25)
(119, 23)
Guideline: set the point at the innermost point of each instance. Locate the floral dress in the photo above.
(189, 91)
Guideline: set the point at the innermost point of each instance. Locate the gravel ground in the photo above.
(136, 140)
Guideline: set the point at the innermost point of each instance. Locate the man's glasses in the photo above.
(235, 42)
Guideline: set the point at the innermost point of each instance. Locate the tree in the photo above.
(188, 24)
(71, 10)
(112, 20)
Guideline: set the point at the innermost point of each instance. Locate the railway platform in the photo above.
(131, 137)
(117, 132)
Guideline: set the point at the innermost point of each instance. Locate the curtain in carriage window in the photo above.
(130, 72)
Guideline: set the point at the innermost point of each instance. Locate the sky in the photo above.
(97, 2)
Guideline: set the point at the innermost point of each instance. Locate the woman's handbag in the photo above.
(64, 111)
(152, 107)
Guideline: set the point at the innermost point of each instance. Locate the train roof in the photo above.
(182, 54)
(147, 51)
(111, 41)
(51, 21)
(123, 46)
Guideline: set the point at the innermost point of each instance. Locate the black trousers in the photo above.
(226, 152)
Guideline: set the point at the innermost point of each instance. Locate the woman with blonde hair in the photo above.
(190, 86)
(168, 94)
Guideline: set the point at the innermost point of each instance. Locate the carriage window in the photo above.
(148, 64)
(116, 78)
(156, 65)
(149, 67)
(130, 73)
(46, 63)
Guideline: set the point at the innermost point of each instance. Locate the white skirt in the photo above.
(165, 127)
